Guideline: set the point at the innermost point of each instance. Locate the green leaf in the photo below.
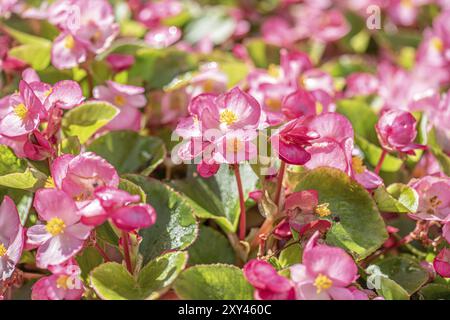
(373, 153)
(211, 247)
(435, 291)
(391, 290)
(398, 198)
(26, 38)
(36, 55)
(441, 156)
(213, 282)
(15, 172)
(361, 115)
(129, 152)
(70, 145)
(262, 54)
(111, 281)
(161, 66)
(404, 270)
(360, 229)
(132, 188)
(175, 227)
(88, 259)
(217, 197)
(86, 119)
(290, 255)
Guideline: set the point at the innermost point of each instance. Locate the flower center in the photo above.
(48, 92)
(407, 3)
(228, 117)
(435, 201)
(21, 111)
(357, 164)
(319, 107)
(119, 100)
(273, 71)
(49, 183)
(2, 250)
(69, 42)
(322, 210)
(55, 226)
(274, 104)
(61, 282)
(208, 85)
(322, 282)
(437, 43)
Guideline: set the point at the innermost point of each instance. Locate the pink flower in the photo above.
(63, 284)
(162, 37)
(118, 205)
(128, 99)
(63, 236)
(11, 238)
(325, 273)
(221, 128)
(152, 13)
(120, 62)
(434, 198)
(361, 84)
(441, 263)
(268, 283)
(22, 115)
(79, 176)
(290, 142)
(304, 214)
(87, 26)
(206, 169)
(396, 131)
(335, 146)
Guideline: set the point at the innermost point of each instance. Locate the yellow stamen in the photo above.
(438, 44)
(49, 183)
(228, 117)
(48, 92)
(119, 100)
(435, 201)
(69, 42)
(21, 111)
(322, 282)
(273, 71)
(3, 250)
(61, 282)
(357, 165)
(55, 226)
(319, 107)
(407, 3)
(208, 86)
(322, 210)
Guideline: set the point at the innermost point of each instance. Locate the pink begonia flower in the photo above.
(446, 231)
(279, 31)
(405, 12)
(325, 273)
(7, 6)
(299, 103)
(268, 284)
(334, 148)
(221, 127)
(128, 99)
(434, 198)
(361, 84)
(62, 236)
(209, 79)
(438, 111)
(396, 131)
(120, 207)
(304, 214)
(37, 147)
(162, 37)
(152, 13)
(79, 176)
(64, 94)
(291, 139)
(120, 62)
(64, 284)
(88, 26)
(11, 238)
(207, 169)
(441, 263)
(22, 115)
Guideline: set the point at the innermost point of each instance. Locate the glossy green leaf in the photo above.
(213, 282)
(398, 198)
(360, 229)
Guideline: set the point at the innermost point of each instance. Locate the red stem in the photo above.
(380, 162)
(280, 183)
(126, 251)
(102, 252)
(242, 218)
